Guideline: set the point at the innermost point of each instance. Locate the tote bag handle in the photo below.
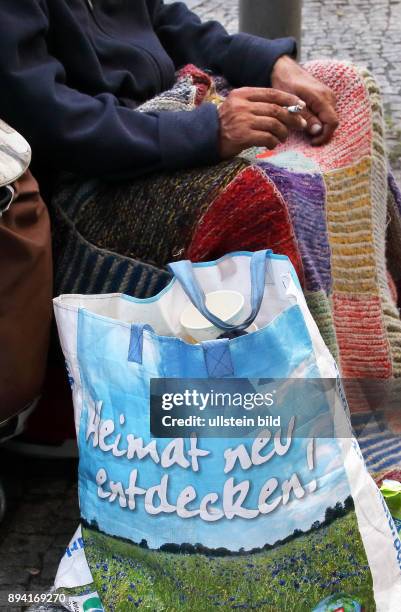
(184, 273)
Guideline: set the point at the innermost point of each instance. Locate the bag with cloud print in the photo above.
(218, 474)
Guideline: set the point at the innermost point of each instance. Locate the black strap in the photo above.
(6, 198)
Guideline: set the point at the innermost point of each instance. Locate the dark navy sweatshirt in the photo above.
(73, 71)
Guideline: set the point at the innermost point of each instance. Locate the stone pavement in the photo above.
(43, 509)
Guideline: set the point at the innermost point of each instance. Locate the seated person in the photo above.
(79, 68)
(142, 158)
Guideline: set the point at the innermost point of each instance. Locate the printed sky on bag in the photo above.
(331, 487)
(122, 391)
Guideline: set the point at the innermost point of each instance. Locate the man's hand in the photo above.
(320, 112)
(255, 117)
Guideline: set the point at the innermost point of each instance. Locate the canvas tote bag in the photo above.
(272, 521)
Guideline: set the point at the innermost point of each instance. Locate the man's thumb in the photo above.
(314, 125)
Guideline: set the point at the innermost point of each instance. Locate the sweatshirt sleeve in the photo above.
(243, 59)
(92, 135)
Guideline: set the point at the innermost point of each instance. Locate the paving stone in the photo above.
(26, 551)
(10, 576)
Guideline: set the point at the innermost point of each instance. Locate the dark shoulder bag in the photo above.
(25, 278)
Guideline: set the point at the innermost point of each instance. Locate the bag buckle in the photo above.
(7, 195)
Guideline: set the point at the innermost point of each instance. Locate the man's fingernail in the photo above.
(304, 123)
(301, 103)
(315, 129)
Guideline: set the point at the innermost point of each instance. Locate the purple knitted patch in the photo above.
(305, 196)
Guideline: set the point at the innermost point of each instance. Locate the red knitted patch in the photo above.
(363, 345)
(353, 138)
(248, 215)
(393, 288)
(391, 475)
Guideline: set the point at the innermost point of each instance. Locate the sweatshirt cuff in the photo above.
(250, 59)
(189, 138)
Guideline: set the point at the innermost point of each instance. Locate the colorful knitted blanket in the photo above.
(334, 210)
(331, 210)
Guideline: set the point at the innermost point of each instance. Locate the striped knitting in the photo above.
(339, 203)
(327, 208)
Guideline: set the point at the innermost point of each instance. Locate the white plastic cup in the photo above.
(252, 328)
(224, 304)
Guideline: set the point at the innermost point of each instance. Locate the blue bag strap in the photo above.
(135, 351)
(184, 273)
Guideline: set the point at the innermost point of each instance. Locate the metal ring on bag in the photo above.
(7, 195)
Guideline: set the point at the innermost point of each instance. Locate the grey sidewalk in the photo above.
(44, 506)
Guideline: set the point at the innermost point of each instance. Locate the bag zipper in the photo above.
(158, 70)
